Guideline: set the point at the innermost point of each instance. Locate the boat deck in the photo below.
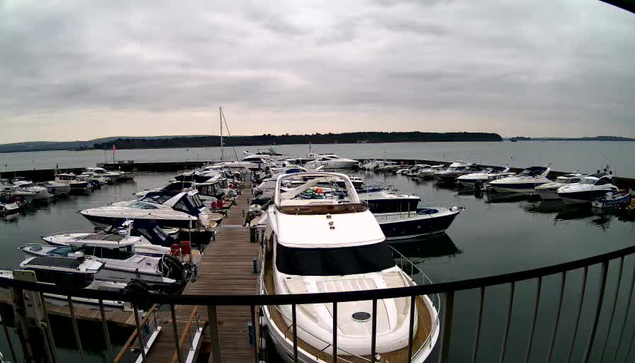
(424, 327)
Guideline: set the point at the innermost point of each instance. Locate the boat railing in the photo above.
(418, 277)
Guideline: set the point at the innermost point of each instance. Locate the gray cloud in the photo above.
(515, 64)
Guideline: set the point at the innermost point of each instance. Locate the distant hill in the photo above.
(594, 138)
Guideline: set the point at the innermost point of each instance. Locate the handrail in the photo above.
(319, 298)
(185, 332)
(133, 336)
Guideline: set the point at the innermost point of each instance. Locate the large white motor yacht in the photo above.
(525, 182)
(334, 244)
(332, 161)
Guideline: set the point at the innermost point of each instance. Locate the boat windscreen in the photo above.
(533, 171)
(333, 261)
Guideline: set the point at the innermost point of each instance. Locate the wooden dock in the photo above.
(226, 267)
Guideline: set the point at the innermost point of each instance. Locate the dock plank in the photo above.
(225, 267)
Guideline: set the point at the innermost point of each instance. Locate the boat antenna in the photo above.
(224, 119)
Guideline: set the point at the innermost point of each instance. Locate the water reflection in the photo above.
(505, 197)
(421, 249)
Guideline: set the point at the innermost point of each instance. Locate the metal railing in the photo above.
(594, 342)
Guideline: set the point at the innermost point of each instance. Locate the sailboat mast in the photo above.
(220, 117)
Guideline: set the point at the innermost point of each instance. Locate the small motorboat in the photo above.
(77, 186)
(431, 172)
(613, 200)
(419, 223)
(332, 161)
(8, 208)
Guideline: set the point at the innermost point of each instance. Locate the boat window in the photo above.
(189, 204)
(591, 181)
(603, 181)
(158, 198)
(117, 253)
(333, 261)
(65, 279)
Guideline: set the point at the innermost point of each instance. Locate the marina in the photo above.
(484, 226)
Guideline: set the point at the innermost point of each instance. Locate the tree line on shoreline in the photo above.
(286, 139)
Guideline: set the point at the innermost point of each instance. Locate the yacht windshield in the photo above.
(333, 261)
(142, 205)
(590, 181)
(532, 171)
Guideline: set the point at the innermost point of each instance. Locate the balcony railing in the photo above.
(603, 300)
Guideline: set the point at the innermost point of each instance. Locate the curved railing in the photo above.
(447, 289)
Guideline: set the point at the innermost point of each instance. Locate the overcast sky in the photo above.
(83, 69)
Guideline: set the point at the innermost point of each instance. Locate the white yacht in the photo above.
(335, 244)
(332, 161)
(76, 185)
(383, 200)
(549, 191)
(456, 169)
(70, 273)
(430, 172)
(8, 208)
(148, 238)
(182, 210)
(112, 175)
(57, 189)
(590, 188)
(415, 170)
(525, 182)
(252, 162)
(483, 177)
(40, 193)
(120, 262)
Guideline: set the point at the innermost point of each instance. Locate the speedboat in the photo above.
(588, 189)
(455, 170)
(12, 192)
(612, 201)
(418, 223)
(252, 162)
(148, 238)
(334, 244)
(430, 172)
(525, 182)
(182, 210)
(208, 191)
(414, 171)
(8, 208)
(120, 262)
(39, 193)
(383, 200)
(77, 186)
(332, 161)
(479, 179)
(110, 176)
(549, 191)
(74, 273)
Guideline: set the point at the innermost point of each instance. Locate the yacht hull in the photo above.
(397, 226)
(547, 194)
(514, 188)
(582, 197)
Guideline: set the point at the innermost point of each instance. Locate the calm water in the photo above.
(585, 156)
(489, 237)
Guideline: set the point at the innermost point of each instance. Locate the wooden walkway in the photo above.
(226, 267)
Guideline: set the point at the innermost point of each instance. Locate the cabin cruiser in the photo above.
(525, 182)
(415, 170)
(208, 191)
(112, 175)
(77, 186)
(334, 244)
(56, 189)
(549, 191)
(383, 200)
(120, 262)
(252, 162)
(73, 274)
(12, 192)
(455, 170)
(482, 177)
(332, 161)
(590, 188)
(182, 210)
(418, 223)
(148, 238)
(431, 172)
(94, 180)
